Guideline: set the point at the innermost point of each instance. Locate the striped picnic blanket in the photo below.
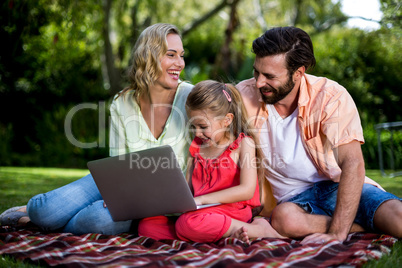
(128, 250)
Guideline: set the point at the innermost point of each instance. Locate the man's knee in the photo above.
(286, 218)
(388, 218)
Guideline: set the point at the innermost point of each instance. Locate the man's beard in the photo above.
(279, 93)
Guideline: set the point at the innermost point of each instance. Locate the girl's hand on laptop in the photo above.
(198, 201)
(104, 204)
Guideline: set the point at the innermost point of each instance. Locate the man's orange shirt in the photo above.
(327, 118)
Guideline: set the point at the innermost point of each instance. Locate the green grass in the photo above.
(19, 184)
(392, 185)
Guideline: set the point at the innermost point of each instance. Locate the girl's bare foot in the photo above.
(260, 227)
(242, 235)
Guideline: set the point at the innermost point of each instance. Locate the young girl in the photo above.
(222, 169)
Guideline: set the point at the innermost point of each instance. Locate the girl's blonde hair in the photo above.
(146, 68)
(221, 99)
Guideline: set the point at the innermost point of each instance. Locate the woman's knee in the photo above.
(41, 212)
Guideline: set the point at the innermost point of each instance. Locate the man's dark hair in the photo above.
(291, 41)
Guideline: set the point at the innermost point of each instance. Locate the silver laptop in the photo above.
(143, 184)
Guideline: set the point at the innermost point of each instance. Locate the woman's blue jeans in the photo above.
(74, 208)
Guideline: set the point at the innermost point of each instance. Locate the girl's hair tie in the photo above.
(227, 95)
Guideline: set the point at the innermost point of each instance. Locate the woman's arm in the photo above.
(117, 133)
(248, 179)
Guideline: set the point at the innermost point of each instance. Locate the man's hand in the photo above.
(319, 238)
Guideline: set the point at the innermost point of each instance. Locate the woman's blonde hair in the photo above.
(146, 68)
(221, 99)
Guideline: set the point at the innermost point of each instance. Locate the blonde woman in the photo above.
(148, 113)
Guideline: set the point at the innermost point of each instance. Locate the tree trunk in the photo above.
(113, 78)
(224, 59)
(260, 17)
(296, 17)
(226, 51)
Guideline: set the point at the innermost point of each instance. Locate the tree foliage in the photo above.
(366, 64)
(57, 54)
(392, 15)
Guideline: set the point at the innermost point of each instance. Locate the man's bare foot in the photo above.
(260, 227)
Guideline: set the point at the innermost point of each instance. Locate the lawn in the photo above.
(19, 184)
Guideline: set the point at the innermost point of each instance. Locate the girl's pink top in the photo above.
(211, 175)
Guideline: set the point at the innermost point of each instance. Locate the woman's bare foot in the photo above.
(260, 227)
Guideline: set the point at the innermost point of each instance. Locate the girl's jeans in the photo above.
(74, 208)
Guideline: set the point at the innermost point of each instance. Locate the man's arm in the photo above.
(350, 160)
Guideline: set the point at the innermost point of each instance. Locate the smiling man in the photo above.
(310, 133)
